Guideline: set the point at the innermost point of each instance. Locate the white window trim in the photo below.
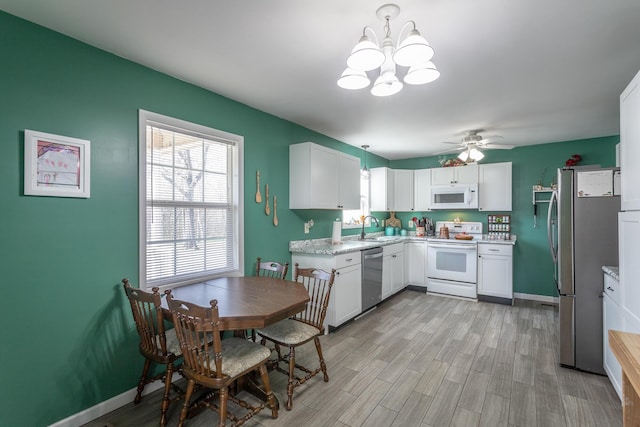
(143, 118)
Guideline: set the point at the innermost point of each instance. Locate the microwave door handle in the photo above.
(552, 201)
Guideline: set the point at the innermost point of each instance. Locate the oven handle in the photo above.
(451, 246)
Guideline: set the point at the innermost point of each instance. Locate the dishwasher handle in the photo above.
(372, 256)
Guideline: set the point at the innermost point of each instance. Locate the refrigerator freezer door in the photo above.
(567, 343)
(565, 232)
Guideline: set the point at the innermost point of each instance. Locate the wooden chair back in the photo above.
(198, 332)
(318, 283)
(271, 269)
(147, 314)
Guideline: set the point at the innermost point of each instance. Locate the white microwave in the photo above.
(454, 196)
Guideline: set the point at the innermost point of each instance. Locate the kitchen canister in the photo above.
(419, 231)
(389, 231)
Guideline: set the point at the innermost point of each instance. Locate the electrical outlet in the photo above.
(306, 228)
(410, 224)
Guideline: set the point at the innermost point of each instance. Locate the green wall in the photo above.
(68, 337)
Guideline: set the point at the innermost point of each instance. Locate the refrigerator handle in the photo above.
(552, 200)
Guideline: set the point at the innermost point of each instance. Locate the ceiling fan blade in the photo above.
(498, 146)
(451, 150)
(490, 138)
(450, 142)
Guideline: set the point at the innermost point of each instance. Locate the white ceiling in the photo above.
(533, 71)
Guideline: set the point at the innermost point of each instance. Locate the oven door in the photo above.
(452, 261)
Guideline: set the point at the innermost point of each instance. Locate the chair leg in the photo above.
(271, 400)
(143, 380)
(323, 366)
(292, 366)
(187, 397)
(165, 397)
(224, 396)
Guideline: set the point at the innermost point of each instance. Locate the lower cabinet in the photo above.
(415, 260)
(392, 269)
(495, 272)
(345, 302)
(612, 318)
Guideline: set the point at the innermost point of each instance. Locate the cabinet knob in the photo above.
(611, 289)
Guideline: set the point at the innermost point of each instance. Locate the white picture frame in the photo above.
(55, 165)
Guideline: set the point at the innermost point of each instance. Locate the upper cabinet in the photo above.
(391, 189)
(630, 145)
(322, 178)
(421, 190)
(455, 175)
(494, 186)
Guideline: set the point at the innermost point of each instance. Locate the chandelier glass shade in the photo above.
(413, 52)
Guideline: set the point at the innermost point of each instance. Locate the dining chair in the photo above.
(302, 328)
(157, 345)
(214, 363)
(271, 269)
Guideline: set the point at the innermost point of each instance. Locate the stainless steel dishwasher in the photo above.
(371, 277)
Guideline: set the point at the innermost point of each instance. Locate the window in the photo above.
(351, 218)
(191, 213)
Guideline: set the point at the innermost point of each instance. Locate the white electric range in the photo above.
(452, 263)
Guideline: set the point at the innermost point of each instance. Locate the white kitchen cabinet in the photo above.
(391, 189)
(628, 238)
(322, 178)
(382, 186)
(392, 269)
(345, 302)
(612, 319)
(495, 272)
(415, 258)
(455, 175)
(402, 190)
(422, 190)
(494, 186)
(630, 145)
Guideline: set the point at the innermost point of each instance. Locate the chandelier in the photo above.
(413, 53)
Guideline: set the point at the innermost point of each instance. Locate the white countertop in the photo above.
(352, 244)
(612, 270)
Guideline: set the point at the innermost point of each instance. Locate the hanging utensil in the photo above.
(267, 210)
(275, 213)
(258, 195)
(535, 215)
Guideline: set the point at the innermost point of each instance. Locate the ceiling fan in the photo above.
(471, 144)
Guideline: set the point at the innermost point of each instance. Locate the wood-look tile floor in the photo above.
(429, 361)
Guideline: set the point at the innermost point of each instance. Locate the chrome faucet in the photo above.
(364, 221)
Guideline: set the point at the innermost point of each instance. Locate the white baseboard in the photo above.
(532, 297)
(107, 406)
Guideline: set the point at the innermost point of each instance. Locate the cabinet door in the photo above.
(422, 190)
(415, 263)
(612, 319)
(346, 294)
(630, 145)
(629, 247)
(442, 176)
(494, 186)
(387, 276)
(381, 189)
(495, 275)
(324, 177)
(349, 186)
(466, 174)
(397, 278)
(402, 190)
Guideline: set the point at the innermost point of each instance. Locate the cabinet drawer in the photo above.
(612, 288)
(348, 259)
(393, 249)
(489, 249)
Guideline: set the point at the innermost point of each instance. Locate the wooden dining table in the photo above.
(248, 302)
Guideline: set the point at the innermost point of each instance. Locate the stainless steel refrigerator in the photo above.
(583, 236)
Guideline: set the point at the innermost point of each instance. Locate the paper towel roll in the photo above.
(336, 236)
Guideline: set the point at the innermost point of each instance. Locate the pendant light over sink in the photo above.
(413, 53)
(365, 172)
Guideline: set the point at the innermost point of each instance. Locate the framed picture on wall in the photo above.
(56, 165)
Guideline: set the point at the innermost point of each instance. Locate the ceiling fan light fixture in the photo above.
(366, 55)
(352, 79)
(422, 74)
(476, 155)
(464, 155)
(413, 50)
